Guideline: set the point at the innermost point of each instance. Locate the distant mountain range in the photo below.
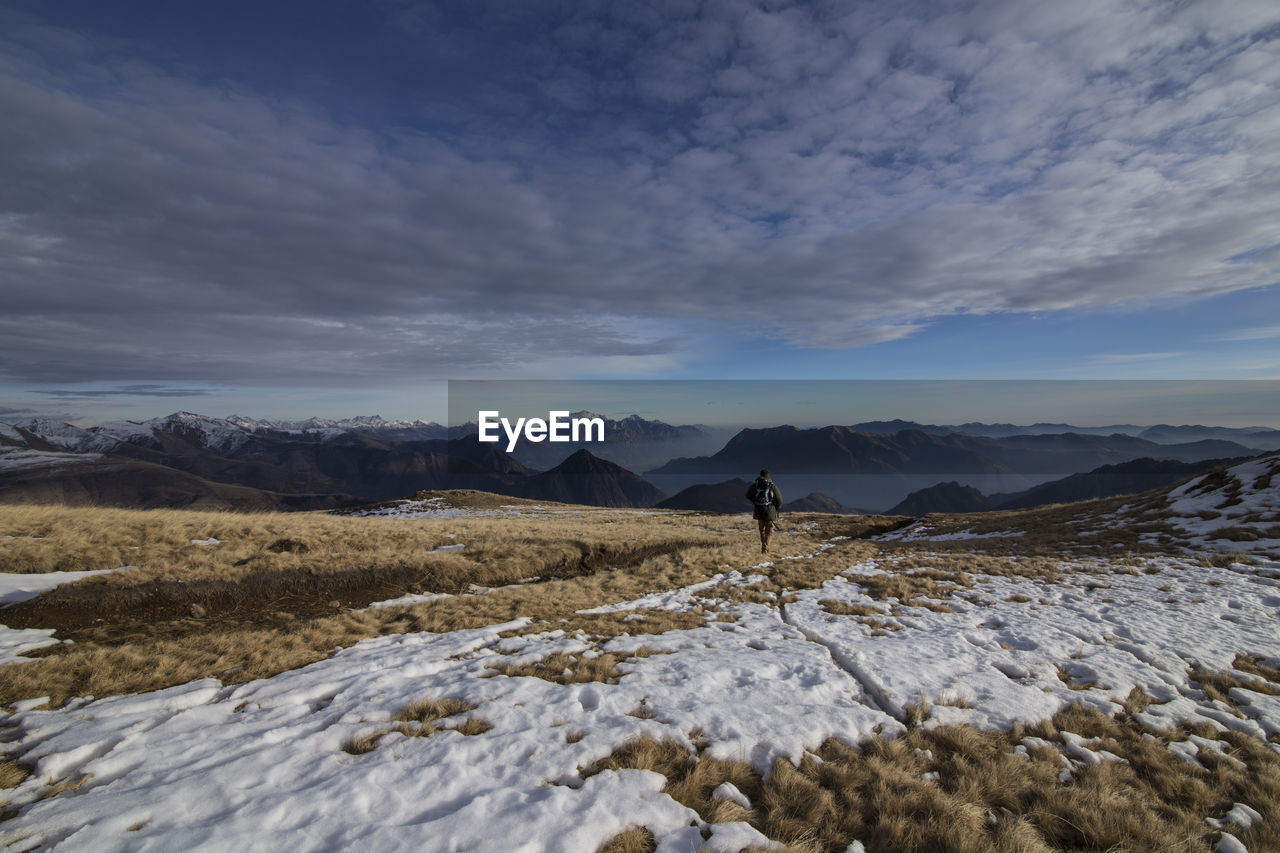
(192, 460)
(632, 442)
(1258, 438)
(187, 459)
(844, 450)
(1139, 475)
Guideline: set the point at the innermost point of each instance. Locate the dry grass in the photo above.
(158, 543)
(637, 839)
(562, 668)
(1086, 528)
(12, 773)
(945, 788)
(955, 788)
(844, 608)
(1217, 685)
(282, 590)
(1254, 665)
(418, 719)
(136, 631)
(428, 709)
(691, 779)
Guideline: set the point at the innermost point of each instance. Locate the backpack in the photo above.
(763, 493)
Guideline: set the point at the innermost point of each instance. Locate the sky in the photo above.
(295, 209)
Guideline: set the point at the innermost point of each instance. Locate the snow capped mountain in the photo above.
(331, 427)
(223, 435)
(69, 437)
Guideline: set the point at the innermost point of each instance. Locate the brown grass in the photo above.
(134, 631)
(1082, 529)
(429, 709)
(418, 719)
(637, 839)
(280, 591)
(984, 797)
(1217, 685)
(562, 668)
(843, 608)
(12, 774)
(1254, 665)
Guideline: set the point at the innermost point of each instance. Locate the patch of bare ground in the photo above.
(955, 788)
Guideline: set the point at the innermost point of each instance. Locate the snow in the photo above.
(204, 766)
(1228, 843)
(329, 427)
(19, 458)
(437, 508)
(1241, 815)
(1242, 513)
(426, 508)
(920, 532)
(15, 588)
(69, 436)
(729, 791)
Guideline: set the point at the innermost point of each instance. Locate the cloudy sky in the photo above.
(296, 208)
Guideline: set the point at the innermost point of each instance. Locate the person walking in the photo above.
(767, 499)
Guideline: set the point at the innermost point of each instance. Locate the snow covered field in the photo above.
(270, 764)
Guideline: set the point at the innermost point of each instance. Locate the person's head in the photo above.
(764, 472)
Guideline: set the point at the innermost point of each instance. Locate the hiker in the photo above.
(768, 501)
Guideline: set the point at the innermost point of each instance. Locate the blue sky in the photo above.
(294, 209)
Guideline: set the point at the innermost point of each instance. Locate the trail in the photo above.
(871, 691)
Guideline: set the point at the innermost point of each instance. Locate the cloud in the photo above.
(1257, 333)
(1133, 357)
(826, 176)
(127, 391)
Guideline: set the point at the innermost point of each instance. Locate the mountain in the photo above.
(944, 497)
(192, 460)
(1258, 438)
(632, 442)
(818, 502)
(48, 459)
(94, 480)
(587, 479)
(321, 428)
(727, 497)
(730, 497)
(1139, 475)
(836, 449)
(1128, 478)
(993, 430)
(842, 450)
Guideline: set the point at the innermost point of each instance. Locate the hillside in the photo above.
(1086, 676)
